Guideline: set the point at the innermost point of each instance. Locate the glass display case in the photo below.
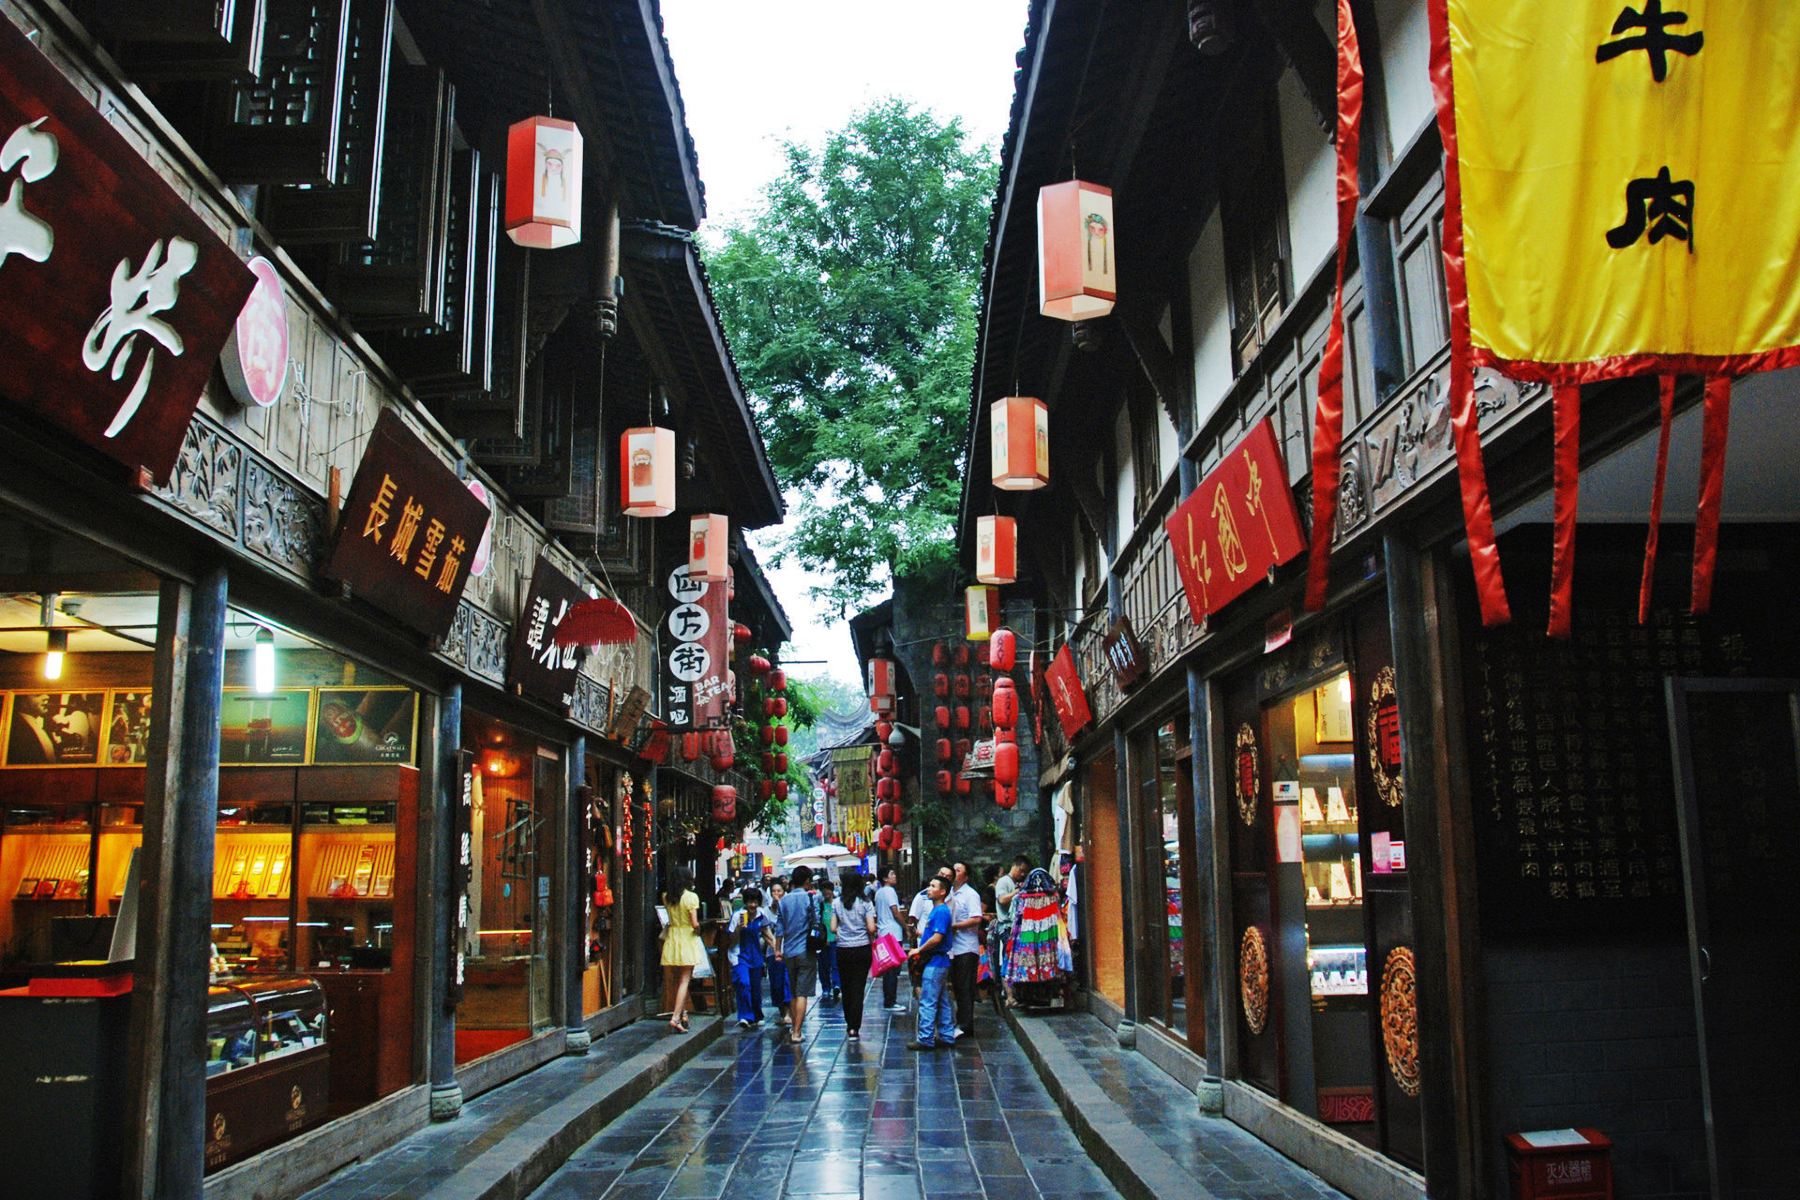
(256, 1020)
(1338, 970)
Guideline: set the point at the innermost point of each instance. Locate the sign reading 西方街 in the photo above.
(696, 680)
(1239, 524)
(115, 296)
(537, 666)
(408, 529)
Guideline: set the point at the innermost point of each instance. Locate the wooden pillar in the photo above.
(166, 1128)
(445, 741)
(574, 901)
(1440, 860)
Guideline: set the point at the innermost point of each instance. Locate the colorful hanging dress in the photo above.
(1039, 951)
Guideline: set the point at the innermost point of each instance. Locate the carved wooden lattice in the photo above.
(283, 127)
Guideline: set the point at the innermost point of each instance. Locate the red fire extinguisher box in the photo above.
(1560, 1164)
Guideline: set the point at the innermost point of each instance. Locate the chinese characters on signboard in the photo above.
(1238, 525)
(696, 684)
(1125, 654)
(537, 666)
(115, 297)
(407, 530)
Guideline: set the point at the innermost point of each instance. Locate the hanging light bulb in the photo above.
(262, 660)
(56, 646)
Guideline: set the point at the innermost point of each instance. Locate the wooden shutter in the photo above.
(285, 125)
(186, 39)
(346, 211)
(397, 280)
(496, 409)
(444, 353)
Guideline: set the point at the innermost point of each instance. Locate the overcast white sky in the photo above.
(755, 72)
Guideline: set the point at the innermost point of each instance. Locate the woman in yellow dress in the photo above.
(682, 948)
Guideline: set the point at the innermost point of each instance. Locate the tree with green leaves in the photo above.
(850, 303)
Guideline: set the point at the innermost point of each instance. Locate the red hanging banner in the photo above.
(1066, 693)
(1665, 390)
(1713, 428)
(1328, 416)
(1566, 407)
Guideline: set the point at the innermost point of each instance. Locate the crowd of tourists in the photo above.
(812, 938)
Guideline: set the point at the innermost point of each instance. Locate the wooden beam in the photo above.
(1153, 356)
(1309, 50)
(563, 48)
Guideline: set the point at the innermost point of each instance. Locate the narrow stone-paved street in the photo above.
(751, 1118)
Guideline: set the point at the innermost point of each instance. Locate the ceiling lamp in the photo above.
(262, 660)
(1019, 438)
(708, 539)
(543, 183)
(996, 549)
(647, 471)
(55, 647)
(1077, 260)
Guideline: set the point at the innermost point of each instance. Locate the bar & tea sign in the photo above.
(115, 297)
(407, 531)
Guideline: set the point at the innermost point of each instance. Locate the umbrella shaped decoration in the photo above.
(602, 621)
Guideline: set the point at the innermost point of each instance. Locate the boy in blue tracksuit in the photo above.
(752, 929)
(937, 1006)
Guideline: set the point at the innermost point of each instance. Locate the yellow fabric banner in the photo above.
(1630, 183)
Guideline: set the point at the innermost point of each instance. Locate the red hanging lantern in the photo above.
(1006, 703)
(883, 730)
(1006, 763)
(884, 813)
(940, 655)
(781, 735)
(1005, 733)
(1006, 797)
(984, 718)
(740, 633)
(943, 750)
(724, 802)
(690, 746)
(543, 183)
(768, 763)
(963, 746)
(946, 782)
(881, 677)
(887, 789)
(941, 715)
(778, 706)
(767, 734)
(962, 716)
(981, 612)
(765, 791)
(781, 789)
(996, 550)
(723, 757)
(647, 472)
(960, 685)
(777, 680)
(984, 683)
(1077, 259)
(960, 655)
(940, 685)
(963, 785)
(1019, 438)
(1003, 649)
(781, 766)
(758, 665)
(884, 761)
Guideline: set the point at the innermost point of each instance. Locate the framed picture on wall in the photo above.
(258, 728)
(55, 729)
(127, 729)
(365, 725)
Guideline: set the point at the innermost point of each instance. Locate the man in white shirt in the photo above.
(890, 921)
(965, 948)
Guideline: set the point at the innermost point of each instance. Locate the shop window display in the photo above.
(1168, 965)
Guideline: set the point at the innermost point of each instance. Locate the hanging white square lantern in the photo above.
(996, 549)
(543, 183)
(647, 472)
(981, 612)
(1019, 441)
(1077, 259)
(708, 540)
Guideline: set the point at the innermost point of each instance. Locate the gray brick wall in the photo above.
(1599, 1035)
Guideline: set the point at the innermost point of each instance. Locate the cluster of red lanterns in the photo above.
(960, 689)
(774, 737)
(1002, 652)
(714, 744)
(889, 811)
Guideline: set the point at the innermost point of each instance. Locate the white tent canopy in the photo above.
(828, 855)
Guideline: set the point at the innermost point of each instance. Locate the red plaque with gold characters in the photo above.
(1238, 524)
(408, 530)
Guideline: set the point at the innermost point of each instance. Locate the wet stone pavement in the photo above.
(752, 1119)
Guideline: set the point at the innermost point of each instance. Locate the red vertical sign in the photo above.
(1066, 693)
(1239, 523)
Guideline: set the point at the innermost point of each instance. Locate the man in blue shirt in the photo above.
(795, 917)
(937, 1009)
